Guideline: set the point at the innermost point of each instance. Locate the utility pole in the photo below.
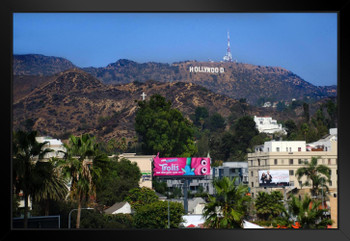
(168, 214)
(185, 196)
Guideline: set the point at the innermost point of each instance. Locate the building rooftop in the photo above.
(115, 207)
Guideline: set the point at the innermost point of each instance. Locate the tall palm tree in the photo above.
(317, 174)
(81, 166)
(228, 207)
(54, 185)
(26, 160)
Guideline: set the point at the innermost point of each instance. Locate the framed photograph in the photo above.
(178, 89)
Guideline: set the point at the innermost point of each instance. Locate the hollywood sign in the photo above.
(201, 69)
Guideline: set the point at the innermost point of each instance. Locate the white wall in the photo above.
(284, 146)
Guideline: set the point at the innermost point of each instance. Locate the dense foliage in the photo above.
(269, 205)
(155, 215)
(118, 178)
(163, 129)
(138, 197)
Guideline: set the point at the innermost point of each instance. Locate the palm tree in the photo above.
(54, 185)
(81, 166)
(317, 174)
(228, 207)
(26, 161)
(308, 212)
(269, 205)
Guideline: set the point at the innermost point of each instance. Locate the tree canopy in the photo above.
(163, 129)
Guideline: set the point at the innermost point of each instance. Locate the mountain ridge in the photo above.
(239, 80)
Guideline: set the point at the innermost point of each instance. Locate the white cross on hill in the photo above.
(143, 95)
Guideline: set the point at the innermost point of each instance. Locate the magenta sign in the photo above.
(181, 166)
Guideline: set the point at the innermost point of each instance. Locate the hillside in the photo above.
(238, 80)
(76, 102)
(37, 64)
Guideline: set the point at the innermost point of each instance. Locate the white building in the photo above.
(268, 125)
(282, 146)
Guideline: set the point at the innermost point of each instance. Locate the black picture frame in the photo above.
(340, 7)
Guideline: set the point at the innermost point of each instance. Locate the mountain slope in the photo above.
(75, 102)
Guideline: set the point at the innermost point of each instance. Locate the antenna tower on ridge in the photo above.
(228, 56)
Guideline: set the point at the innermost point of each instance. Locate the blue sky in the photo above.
(304, 43)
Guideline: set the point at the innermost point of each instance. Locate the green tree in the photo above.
(155, 215)
(306, 112)
(229, 206)
(200, 116)
(317, 174)
(203, 144)
(292, 129)
(54, 185)
(244, 131)
(159, 186)
(138, 197)
(308, 213)
(118, 221)
(217, 122)
(26, 162)
(163, 129)
(269, 206)
(119, 176)
(81, 166)
(332, 110)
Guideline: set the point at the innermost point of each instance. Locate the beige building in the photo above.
(289, 155)
(144, 162)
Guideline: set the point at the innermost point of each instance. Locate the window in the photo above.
(291, 183)
(286, 149)
(258, 162)
(290, 161)
(300, 183)
(330, 172)
(300, 162)
(299, 149)
(291, 172)
(252, 174)
(330, 183)
(275, 161)
(252, 195)
(277, 149)
(252, 184)
(290, 149)
(329, 162)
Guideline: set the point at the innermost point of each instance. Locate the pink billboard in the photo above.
(181, 166)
